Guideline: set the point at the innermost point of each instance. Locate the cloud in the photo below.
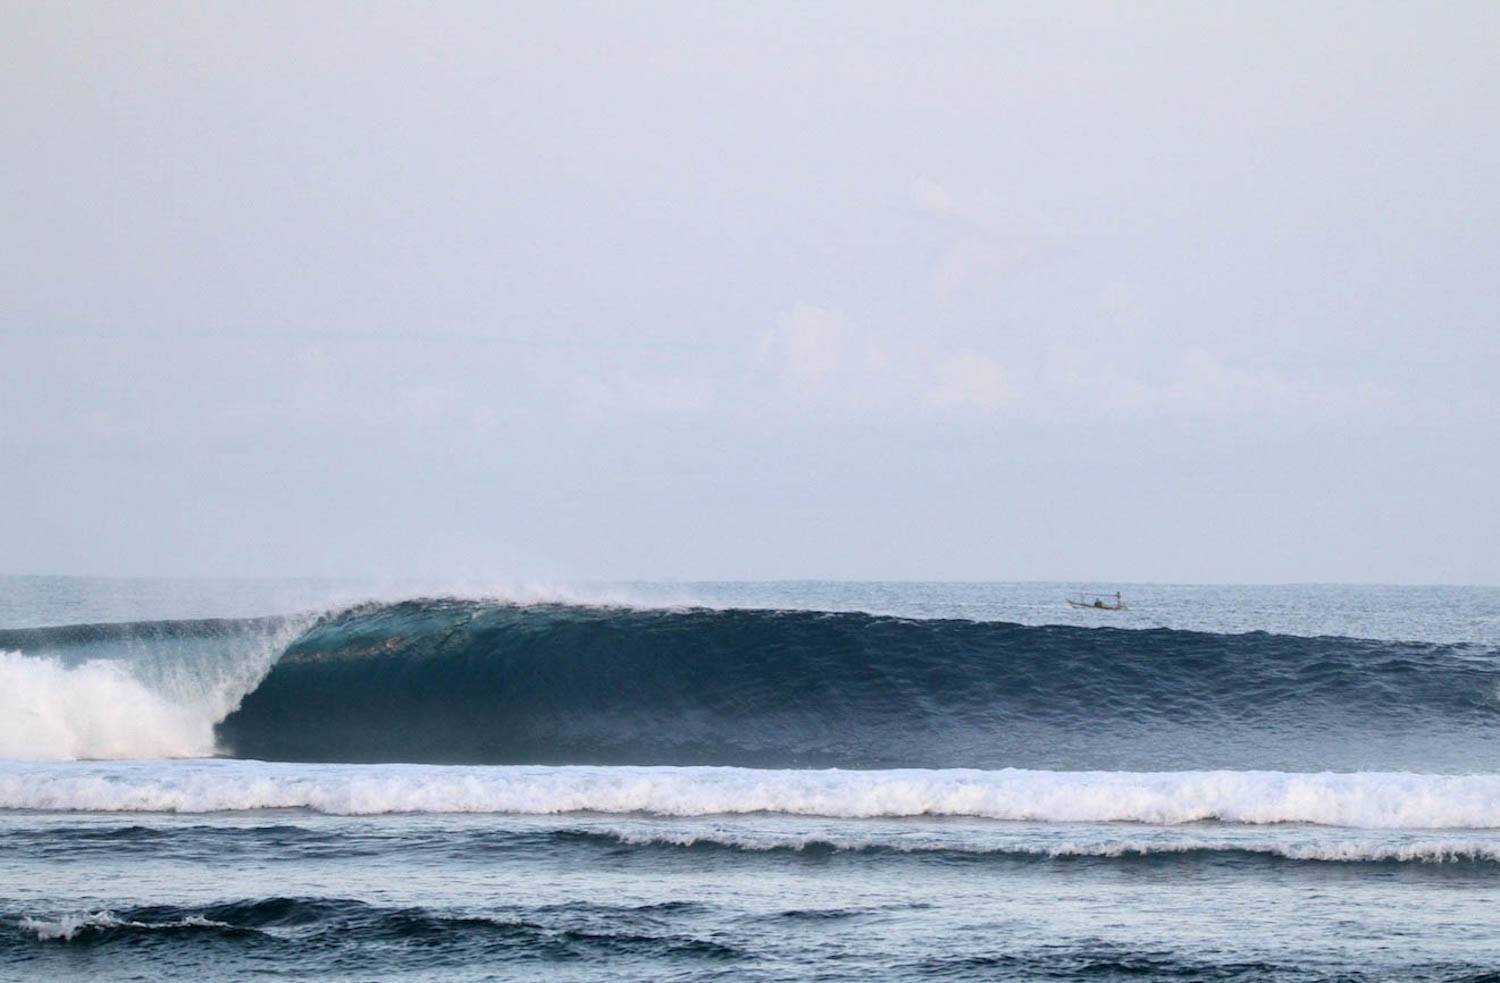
(1197, 383)
(809, 343)
(967, 378)
(816, 356)
(974, 250)
(646, 382)
(932, 198)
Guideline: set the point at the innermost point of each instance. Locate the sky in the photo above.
(939, 291)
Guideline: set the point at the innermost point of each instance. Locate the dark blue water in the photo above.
(793, 781)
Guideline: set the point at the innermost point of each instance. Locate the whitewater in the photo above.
(129, 691)
(1363, 800)
(696, 781)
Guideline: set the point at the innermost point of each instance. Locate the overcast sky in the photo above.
(1178, 292)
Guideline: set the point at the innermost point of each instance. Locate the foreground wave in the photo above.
(1364, 800)
(674, 940)
(307, 935)
(310, 927)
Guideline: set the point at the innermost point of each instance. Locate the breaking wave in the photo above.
(484, 682)
(469, 682)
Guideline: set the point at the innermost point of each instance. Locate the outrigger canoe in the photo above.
(1098, 602)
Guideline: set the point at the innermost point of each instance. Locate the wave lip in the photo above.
(1369, 800)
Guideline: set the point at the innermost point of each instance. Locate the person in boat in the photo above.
(1098, 602)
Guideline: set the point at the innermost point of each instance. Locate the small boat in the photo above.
(1098, 602)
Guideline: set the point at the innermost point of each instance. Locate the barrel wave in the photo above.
(471, 682)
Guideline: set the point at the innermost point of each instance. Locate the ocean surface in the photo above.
(309, 779)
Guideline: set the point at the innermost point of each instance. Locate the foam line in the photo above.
(1326, 850)
(1373, 800)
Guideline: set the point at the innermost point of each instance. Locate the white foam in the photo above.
(1372, 800)
(94, 710)
(67, 927)
(115, 708)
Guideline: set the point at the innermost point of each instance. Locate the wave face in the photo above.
(449, 681)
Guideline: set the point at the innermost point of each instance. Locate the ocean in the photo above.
(783, 781)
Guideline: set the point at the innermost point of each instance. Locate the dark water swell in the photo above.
(451, 681)
(339, 938)
(329, 934)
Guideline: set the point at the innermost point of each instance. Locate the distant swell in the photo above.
(469, 682)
